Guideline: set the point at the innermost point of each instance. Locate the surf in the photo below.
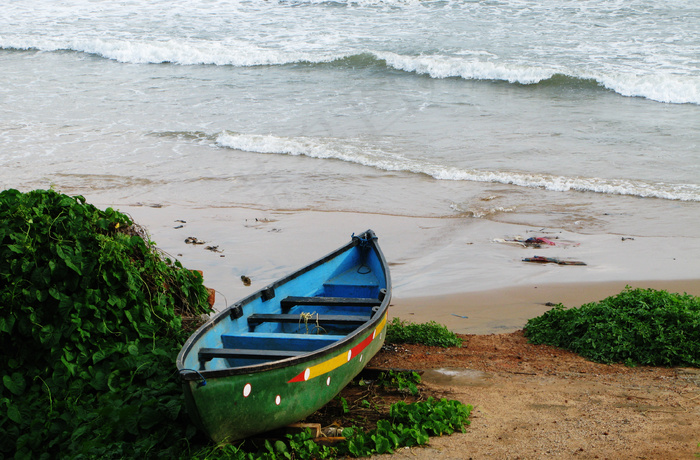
(359, 152)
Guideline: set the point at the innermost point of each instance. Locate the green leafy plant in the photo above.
(636, 327)
(302, 446)
(437, 417)
(93, 316)
(410, 425)
(431, 334)
(404, 381)
(344, 405)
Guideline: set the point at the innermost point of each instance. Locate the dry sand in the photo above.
(536, 401)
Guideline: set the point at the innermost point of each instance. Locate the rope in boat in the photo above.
(308, 316)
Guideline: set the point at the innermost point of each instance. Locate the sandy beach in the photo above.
(451, 270)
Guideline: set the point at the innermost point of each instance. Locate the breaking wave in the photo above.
(661, 87)
(359, 153)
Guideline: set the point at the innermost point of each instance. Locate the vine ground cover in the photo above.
(430, 334)
(92, 314)
(635, 327)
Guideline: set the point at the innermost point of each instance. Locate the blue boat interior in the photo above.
(312, 309)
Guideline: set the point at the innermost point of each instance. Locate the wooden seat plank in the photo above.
(206, 354)
(292, 301)
(259, 318)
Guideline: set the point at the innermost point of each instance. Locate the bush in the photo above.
(431, 334)
(90, 325)
(637, 326)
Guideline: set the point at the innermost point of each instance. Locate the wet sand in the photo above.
(451, 270)
(508, 309)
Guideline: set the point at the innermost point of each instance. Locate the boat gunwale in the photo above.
(192, 374)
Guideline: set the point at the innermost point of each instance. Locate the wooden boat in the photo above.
(282, 353)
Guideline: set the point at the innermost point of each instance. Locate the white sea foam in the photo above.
(438, 66)
(233, 53)
(345, 150)
(358, 152)
(662, 87)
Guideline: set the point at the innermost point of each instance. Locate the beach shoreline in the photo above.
(455, 271)
(507, 309)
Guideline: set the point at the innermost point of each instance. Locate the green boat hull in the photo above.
(239, 406)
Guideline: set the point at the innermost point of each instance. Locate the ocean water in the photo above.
(577, 114)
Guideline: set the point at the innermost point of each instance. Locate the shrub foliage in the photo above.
(90, 326)
(430, 333)
(637, 326)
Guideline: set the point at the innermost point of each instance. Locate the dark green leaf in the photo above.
(15, 383)
(14, 414)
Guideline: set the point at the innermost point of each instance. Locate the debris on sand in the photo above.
(536, 242)
(552, 260)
